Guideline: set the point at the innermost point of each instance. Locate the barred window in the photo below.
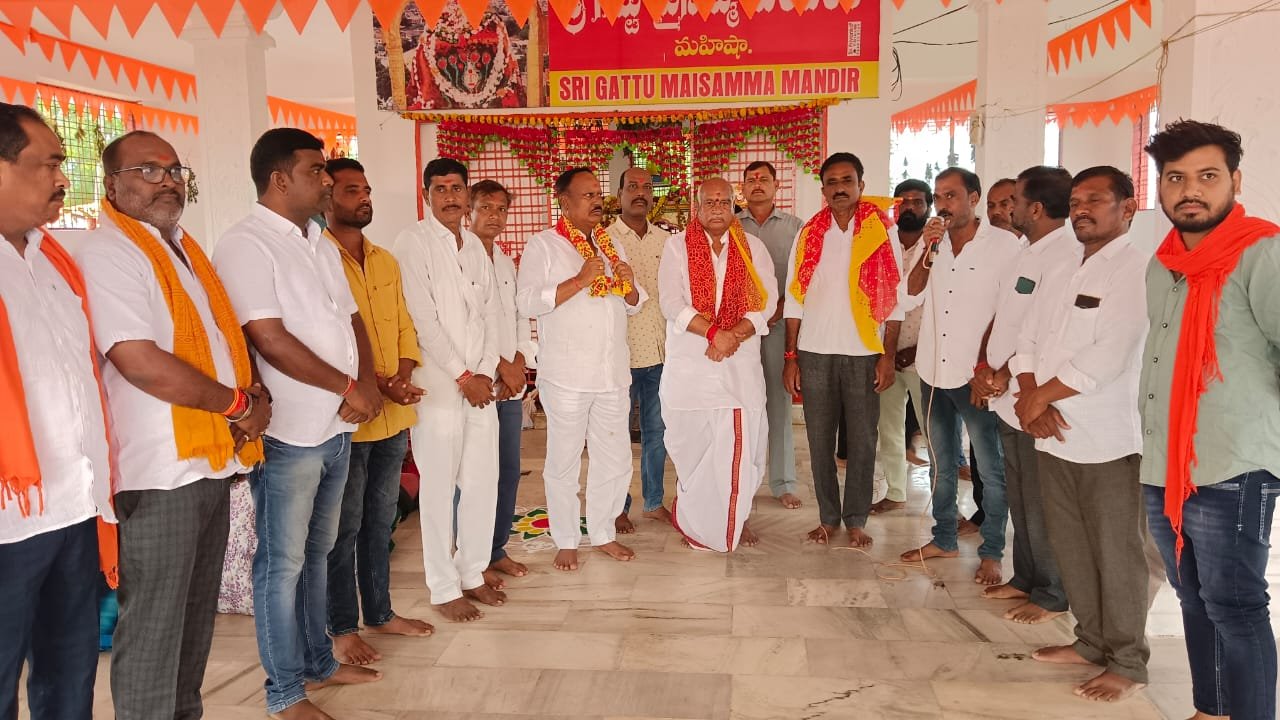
(760, 147)
(85, 130)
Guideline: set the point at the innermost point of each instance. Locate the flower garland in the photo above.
(603, 284)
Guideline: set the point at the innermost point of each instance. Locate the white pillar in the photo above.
(231, 88)
(1219, 76)
(1090, 145)
(1009, 108)
(388, 142)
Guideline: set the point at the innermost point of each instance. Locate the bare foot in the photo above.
(460, 610)
(915, 459)
(566, 560)
(1030, 614)
(928, 552)
(402, 626)
(748, 538)
(1060, 655)
(1202, 716)
(841, 462)
(1003, 591)
(820, 534)
(887, 505)
(617, 551)
(660, 513)
(988, 572)
(623, 525)
(507, 566)
(964, 474)
(1108, 687)
(487, 595)
(789, 501)
(346, 675)
(353, 650)
(858, 538)
(493, 579)
(965, 527)
(304, 710)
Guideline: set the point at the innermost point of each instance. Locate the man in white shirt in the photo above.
(287, 285)
(893, 442)
(842, 339)
(1040, 210)
(642, 241)
(451, 291)
(490, 203)
(958, 280)
(55, 476)
(1078, 363)
(179, 414)
(577, 283)
(777, 230)
(1000, 200)
(718, 292)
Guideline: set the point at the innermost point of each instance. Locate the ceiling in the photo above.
(315, 67)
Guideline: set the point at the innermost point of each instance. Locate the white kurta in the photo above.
(584, 377)
(717, 431)
(452, 296)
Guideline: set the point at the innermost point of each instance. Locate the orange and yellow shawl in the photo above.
(198, 433)
(19, 466)
(603, 284)
(743, 291)
(873, 271)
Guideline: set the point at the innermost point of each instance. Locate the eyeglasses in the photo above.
(154, 174)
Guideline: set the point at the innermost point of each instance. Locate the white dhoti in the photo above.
(720, 458)
(600, 420)
(456, 447)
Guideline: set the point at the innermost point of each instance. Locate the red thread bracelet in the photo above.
(465, 376)
(351, 385)
(711, 334)
(238, 403)
(789, 355)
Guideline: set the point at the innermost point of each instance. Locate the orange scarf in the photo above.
(603, 284)
(873, 271)
(743, 291)
(1196, 365)
(19, 467)
(197, 433)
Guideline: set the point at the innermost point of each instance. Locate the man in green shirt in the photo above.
(1210, 398)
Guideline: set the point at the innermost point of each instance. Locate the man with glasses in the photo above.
(646, 337)
(187, 416)
(777, 230)
(578, 285)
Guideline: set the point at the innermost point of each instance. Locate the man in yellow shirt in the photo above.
(378, 447)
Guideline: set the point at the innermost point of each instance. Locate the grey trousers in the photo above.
(835, 386)
(1035, 571)
(782, 448)
(171, 547)
(1094, 515)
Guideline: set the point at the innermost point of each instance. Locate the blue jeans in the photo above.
(297, 494)
(1222, 586)
(944, 409)
(364, 535)
(653, 453)
(49, 620)
(510, 419)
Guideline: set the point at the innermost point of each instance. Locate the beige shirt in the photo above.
(647, 329)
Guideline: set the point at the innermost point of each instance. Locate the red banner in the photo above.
(728, 55)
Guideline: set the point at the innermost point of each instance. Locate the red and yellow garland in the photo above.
(743, 291)
(873, 271)
(603, 284)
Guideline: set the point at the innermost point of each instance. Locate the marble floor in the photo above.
(784, 630)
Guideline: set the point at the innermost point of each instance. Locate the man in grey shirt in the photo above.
(778, 230)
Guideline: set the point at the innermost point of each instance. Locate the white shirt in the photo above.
(827, 310)
(272, 270)
(1054, 254)
(909, 334)
(127, 304)
(64, 409)
(1088, 330)
(516, 333)
(452, 296)
(690, 380)
(582, 344)
(959, 303)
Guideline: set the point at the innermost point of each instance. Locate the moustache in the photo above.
(58, 196)
(597, 209)
(1192, 203)
(640, 201)
(840, 194)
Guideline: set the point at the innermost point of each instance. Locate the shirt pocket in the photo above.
(1081, 323)
(383, 303)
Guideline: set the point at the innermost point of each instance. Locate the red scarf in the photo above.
(1196, 365)
(743, 291)
(19, 467)
(603, 284)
